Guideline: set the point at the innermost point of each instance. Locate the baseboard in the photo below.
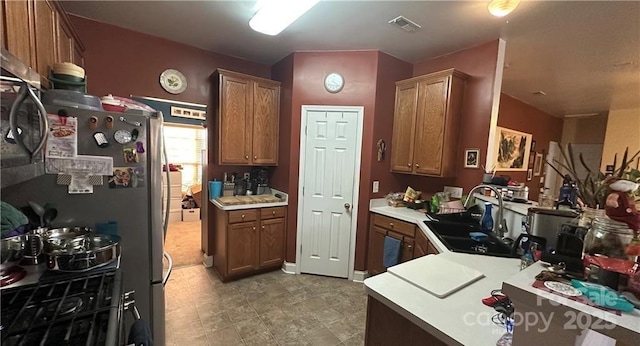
(289, 268)
(359, 275)
(207, 261)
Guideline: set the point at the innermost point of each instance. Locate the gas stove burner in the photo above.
(69, 306)
(11, 275)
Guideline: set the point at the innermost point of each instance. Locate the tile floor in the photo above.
(268, 309)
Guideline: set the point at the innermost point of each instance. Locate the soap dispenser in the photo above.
(486, 224)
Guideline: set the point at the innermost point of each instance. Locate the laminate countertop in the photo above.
(253, 202)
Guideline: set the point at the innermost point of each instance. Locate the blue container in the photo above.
(215, 189)
(107, 227)
(486, 224)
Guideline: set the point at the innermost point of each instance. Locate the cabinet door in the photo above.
(421, 247)
(235, 121)
(271, 242)
(18, 16)
(64, 43)
(430, 126)
(376, 250)
(404, 118)
(431, 250)
(241, 247)
(45, 35)
(266, 112)
(78, 55)
(407, 249)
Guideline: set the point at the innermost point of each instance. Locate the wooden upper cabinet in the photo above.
(266, 103)
(426, 131)
(45, 38)
(248, 110)
(235, 121)
(18, 29)
(403, 124)
(64, 49)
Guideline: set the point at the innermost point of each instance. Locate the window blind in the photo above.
(184, 147)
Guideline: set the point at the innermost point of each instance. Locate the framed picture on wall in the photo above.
(533, 145)
(532, 157)
(537, 166)
(512, 150)
(529, 174)
(472, 158)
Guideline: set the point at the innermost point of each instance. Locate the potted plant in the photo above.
(594, 187)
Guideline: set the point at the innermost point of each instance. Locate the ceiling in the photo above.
(584, 55)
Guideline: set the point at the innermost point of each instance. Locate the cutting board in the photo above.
(238, 200)
(436, 274)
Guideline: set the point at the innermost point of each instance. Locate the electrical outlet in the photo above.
(246, 176)
(376, 186)
(456, 192)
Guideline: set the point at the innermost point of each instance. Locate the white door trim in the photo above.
(356, 179)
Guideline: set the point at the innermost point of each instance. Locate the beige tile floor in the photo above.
(268, 309)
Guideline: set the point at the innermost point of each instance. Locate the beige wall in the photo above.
(584, 130)
(623, 130)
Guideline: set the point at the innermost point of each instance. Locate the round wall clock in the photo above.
(173, 81)
(333, 82)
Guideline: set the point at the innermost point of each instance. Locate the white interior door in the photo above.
(330, 159)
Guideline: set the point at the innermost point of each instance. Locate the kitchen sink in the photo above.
(455, 236)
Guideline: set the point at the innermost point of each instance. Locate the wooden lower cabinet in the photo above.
(248, 241)
(414, 243)
(387, 327)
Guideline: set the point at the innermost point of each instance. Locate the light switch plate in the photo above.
(456, 192)
(376, 186)
(246, 176)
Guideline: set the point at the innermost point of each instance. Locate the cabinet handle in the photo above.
(255, 157)
(409, 247)
(273, 212)
(242, 216)
(246, 157)
(254, 228)
(417, 165)
(262, 227)
(390, 224)
(409, 164)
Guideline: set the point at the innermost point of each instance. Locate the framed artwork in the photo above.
(533, 145)
(529, 174)
(512, 150)
(472, 158)
(537, 166)
(532, 157)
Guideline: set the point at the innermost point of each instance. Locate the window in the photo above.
(184, 147)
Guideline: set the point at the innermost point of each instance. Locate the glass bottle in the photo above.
(486, 224)
(607, 237)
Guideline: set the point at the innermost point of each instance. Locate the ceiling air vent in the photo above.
(405, 24)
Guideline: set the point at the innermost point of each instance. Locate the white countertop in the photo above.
(460, 318)
(285, 202)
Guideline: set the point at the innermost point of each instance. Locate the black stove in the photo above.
(64, 309)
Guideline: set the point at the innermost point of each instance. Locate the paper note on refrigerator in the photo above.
(97, 165)
(62, 140)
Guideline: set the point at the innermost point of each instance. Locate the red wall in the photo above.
(480, 63)
(124, 62)
(517, 115)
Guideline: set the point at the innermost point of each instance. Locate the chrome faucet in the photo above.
(500, 227)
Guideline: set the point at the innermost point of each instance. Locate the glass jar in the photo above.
(588, 215)
(607, 237)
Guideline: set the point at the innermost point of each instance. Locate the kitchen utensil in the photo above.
(48, 217)
(39, 210)
(66, 239)
(98, 250)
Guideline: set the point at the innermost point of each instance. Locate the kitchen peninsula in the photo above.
(400, 312)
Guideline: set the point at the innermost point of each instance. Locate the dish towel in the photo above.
(391, 251)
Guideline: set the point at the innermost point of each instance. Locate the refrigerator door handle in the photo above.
(44, 123)
(165, 279)
(165, 224)
(24, 92)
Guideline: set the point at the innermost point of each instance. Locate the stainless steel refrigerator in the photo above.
(131, 197)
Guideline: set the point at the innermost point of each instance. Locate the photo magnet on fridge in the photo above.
(130, 155)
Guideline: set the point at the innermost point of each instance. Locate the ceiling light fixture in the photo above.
(581, 115)
(275, 15)
(501, 8)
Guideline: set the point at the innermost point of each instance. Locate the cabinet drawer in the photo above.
(405, 228)
(244, 215)
(271, 213)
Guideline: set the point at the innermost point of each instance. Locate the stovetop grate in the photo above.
(65, 311)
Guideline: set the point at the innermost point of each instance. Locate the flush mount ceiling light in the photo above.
(501, 8)
(275, 15)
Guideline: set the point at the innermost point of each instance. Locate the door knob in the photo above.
(347, 205)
